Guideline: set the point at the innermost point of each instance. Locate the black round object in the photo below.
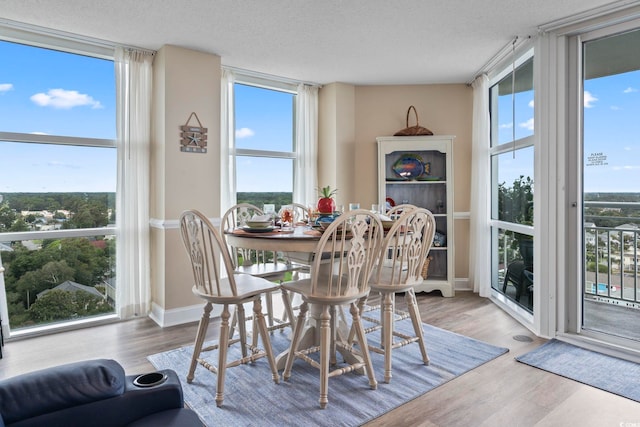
(149, 380)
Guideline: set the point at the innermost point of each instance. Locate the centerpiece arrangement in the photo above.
(326, 204)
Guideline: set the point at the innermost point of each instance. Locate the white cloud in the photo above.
(589, 99)
(629, 90)
(64, 99)
(506, 126)
(615, 108)
(5, 87)
(244, 133)
(39, 133)
(527, 125)
(531, 103)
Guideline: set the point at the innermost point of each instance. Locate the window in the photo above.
(265, 149)
(512, 181)
(57, 196)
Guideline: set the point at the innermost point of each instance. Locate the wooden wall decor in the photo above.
(193, 139)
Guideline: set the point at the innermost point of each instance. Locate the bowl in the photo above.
(258, 224)
(387, 224)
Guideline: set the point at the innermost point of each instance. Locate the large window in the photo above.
(265, 143)
(512, 182)
(57, 193)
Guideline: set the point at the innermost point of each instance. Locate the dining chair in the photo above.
(351, 244)
(403, 253)
(397, 210)
(264, 264)
(210, 261)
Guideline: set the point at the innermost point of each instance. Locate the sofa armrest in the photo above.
(134, 404)
(53, 389)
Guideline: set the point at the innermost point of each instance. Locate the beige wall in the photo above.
(381, 111)
(185, 81)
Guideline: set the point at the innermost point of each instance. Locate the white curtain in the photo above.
(133, 122)
(479, 247)
(305, 175)
(227, 143)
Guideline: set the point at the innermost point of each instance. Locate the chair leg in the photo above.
(332, 335)
(266, 341)
(295, 340)
(325, 344)
(364, 347)
(200, 335)
(387, 332)
(269, 300)
(222, 353)
(242, 328)
(288, 308)
(412, 304)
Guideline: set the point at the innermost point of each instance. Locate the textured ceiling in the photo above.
(359, 42)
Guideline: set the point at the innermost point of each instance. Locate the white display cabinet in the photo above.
(419, 170)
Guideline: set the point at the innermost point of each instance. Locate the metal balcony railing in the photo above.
(612, 256)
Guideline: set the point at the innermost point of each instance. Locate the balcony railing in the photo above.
(612, 255)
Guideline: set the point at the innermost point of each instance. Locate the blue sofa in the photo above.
(93, 393)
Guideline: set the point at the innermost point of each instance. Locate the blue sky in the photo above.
(611, 133)
(52, 93)
(48, 92)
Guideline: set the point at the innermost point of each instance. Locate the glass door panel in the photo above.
(611, 185)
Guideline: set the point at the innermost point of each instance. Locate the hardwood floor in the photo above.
(502, 392)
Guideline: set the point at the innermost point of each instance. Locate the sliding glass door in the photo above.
(610, 185)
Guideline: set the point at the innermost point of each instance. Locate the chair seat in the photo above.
(385, 282)
(247, 287)
(303, 287)
(265, 270)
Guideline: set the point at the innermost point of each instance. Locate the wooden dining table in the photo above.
(298, 242)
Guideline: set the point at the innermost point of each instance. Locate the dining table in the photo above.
(299, 243)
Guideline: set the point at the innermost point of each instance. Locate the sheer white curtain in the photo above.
(479, 247)
(227, 143)
(305, 176)
(133, 122)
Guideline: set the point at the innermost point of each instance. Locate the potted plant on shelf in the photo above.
(326, 204)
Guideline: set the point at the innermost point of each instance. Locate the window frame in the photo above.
(522, 55)
(275, 85)
(66, 44)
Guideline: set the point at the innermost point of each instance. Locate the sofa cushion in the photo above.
(59, 387)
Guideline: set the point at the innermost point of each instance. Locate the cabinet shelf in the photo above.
(433, 192)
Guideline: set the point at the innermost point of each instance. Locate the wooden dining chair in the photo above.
(350, 247)
(399, 268)
(210, 262)
(264, 264)
(397, 210)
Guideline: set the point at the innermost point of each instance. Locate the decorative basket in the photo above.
(425, 267)
(413, 130)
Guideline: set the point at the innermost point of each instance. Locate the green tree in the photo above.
(54, 305)
(515, 203)
(64, 305)
(7, 216)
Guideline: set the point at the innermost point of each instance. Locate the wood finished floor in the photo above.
(502, 392)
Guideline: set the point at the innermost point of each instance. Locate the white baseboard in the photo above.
(178, 316)
(462, 284)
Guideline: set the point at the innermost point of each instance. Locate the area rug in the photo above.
(253, 399)
(588, 367)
